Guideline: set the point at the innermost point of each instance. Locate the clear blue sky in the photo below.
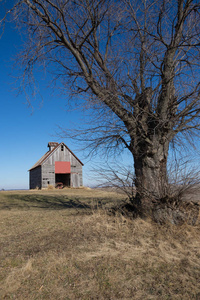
(25, 131)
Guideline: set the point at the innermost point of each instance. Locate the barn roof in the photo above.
(48, 153)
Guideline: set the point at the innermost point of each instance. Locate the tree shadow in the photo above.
(42, 202)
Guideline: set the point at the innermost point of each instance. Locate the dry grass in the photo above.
(54, 249)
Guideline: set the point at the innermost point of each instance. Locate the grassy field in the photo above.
(63, 245)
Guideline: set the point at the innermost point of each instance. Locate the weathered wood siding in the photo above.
(75, 180)
(59, 155)
(35, 178)
(48, 175)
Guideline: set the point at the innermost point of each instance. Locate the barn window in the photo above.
(48, 182)
(62, 147)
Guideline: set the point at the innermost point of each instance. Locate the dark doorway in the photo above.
(64, 178)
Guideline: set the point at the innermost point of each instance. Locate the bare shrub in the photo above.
(177, 203)
(181, 203)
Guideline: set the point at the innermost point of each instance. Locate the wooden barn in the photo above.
(58, 167)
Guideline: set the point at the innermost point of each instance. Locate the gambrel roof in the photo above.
(49, 153)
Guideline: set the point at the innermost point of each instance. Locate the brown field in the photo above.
(63, 245)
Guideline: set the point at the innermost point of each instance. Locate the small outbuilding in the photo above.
(58, 167)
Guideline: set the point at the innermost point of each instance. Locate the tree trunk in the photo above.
(151, 174)
(153, 196)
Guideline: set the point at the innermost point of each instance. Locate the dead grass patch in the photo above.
(63, 254)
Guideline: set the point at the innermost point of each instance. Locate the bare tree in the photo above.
(136, 61)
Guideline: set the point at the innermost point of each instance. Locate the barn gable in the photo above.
(58, 165)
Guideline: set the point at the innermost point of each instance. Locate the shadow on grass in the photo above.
(41, 201)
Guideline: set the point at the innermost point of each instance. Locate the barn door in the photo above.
(75, 180)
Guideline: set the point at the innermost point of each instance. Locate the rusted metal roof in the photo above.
(53, 144)
(47, 154)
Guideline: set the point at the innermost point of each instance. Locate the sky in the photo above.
(26, 130)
